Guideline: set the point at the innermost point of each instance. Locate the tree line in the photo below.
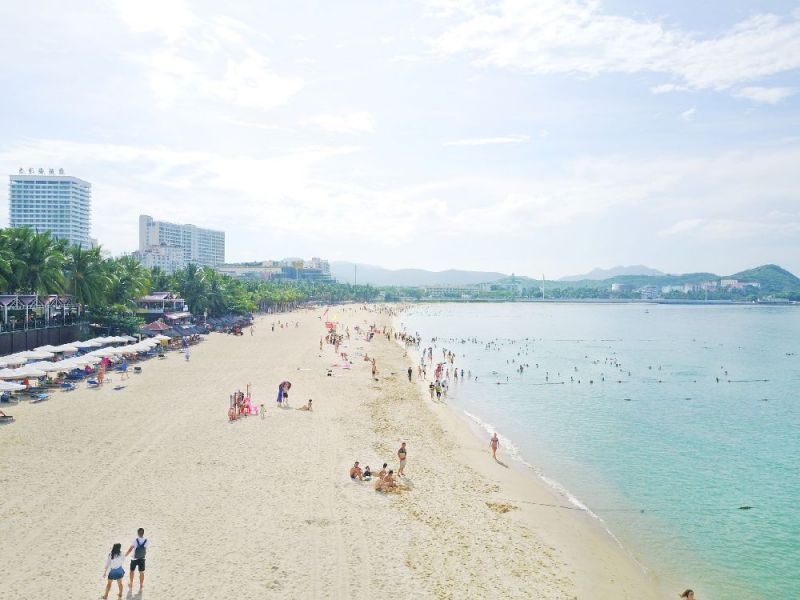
(37, 263)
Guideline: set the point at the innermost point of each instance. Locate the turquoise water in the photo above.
(668, 440)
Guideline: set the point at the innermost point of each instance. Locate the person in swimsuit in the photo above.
(355, 472)
(493, 444)
(382, 472)
(387, 483)
(687, 595)
(401, 455)
(367, 474)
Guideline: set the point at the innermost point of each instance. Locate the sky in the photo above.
(536, 137)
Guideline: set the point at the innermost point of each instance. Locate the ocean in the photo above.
(662, 420)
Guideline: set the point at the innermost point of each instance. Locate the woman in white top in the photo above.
(114, 569)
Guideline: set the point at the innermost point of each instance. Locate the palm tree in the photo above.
(129, 280)
(39, 262)
(194, 288)
(87, 279)
(160, 280)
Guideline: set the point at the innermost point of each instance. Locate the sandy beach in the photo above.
(264, 508)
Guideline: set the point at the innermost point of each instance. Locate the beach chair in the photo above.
(4, 419)
(40, 397)
(92, 383)
(67, 387)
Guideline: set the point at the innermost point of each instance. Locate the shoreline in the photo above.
(273, 494)
(534, 494)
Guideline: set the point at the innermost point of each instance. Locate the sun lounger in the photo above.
(92, 383)
(41, 397)
(6, 419)
(67, 387)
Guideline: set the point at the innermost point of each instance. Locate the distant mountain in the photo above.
(344, 271)
(601, 274)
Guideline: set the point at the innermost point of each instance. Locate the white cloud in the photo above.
(688, 115)
(211, 57)
(768, 95)
(575, 36)
(169, 18)
(353, 122)
(730, 229)
(504, 139)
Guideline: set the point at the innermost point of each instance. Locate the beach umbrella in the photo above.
(14, 359)
(47, 367)
(161, 338)
(65, 348)
(7, 386)
(87, 344)
(37, 354)
(27, 371)
(7, 373)
(47, 348)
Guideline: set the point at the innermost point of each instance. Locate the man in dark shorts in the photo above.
(139, 548)
(401, 455)
(410, 370)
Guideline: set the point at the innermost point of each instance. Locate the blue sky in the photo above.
(534, 137)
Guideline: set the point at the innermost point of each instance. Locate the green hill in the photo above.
(772, 278)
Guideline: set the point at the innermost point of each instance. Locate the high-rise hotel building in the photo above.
(46, 201)
(205, 247)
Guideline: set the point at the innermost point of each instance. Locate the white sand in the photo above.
(265, 508)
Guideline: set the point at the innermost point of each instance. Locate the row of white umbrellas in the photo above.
(42, 367)
(48, 351)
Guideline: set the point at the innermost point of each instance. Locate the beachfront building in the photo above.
(649, 292)
(288, 269)
(167, 258)
(204, 247)
(619, 288)
(161, 305)
(51, 201)
(450, 291)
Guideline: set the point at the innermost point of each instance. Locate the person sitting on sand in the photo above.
(367, 474)
(307, 406)
(356, 473)
(382, 473)
(387, 483)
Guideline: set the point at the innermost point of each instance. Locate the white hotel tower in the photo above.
(204, 247)
(46, 201)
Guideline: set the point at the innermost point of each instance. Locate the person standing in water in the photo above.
(494, 443)
(114, 569)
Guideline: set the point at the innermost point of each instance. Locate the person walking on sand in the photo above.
(139, 548)
(410, 371)
(401, 455)
(114, 569)
(493, 444)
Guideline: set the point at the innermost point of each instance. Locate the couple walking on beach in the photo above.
(115, 569)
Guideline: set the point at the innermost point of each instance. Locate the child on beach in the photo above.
(114, 569)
